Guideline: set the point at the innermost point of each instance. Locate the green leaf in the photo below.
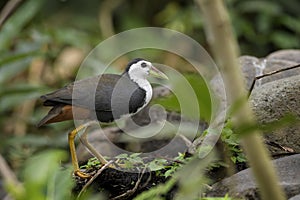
(241, 158)
(120, 156)
(92, 162)
(135, 155)
(169, 172)
(233, 158)
(226, 197)
(157, 164)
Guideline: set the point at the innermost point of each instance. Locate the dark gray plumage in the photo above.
(104, 98)
(109, 96)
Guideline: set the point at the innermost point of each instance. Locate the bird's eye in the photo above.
(144, 65)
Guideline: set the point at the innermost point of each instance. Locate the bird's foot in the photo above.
(82, 174)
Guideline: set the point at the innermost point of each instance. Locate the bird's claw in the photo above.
(82, 174)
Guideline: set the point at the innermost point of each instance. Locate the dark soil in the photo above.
(117, 184)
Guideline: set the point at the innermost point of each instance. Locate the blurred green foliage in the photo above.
(199, 88)
(232, 139)
(39, 38)
(265, 26)
(43, 178)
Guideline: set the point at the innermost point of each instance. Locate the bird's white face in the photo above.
(138, 73)
(140, 70)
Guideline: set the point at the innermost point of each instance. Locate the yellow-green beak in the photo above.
(156, 73)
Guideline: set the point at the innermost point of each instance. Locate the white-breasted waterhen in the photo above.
(114, 96)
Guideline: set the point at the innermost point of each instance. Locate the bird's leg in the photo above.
(90, 147)
(71, 138)
(85, 142)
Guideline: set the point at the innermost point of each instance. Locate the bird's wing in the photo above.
(91, 93)
(124, 98)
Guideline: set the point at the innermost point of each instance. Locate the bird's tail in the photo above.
(56, 114)
(61, 113)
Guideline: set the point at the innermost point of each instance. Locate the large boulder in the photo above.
(275, 100)
(242, 184)
(276, 96)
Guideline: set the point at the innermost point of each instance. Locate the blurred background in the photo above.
(42, 44)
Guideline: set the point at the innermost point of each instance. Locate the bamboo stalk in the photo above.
(225, 49)
(8, 9)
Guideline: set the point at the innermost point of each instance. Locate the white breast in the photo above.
(144, 83)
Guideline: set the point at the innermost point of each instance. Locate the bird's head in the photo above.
(141, 69)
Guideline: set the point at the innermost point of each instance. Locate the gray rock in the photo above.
(275, 95)
(242, 184)
(297, 197)
(272, 65)
(253, 67)
(286, 54)
(274, 100)
(248, 65)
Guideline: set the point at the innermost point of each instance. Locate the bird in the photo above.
(104, 98)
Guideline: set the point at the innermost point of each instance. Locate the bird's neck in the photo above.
(143, 83)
